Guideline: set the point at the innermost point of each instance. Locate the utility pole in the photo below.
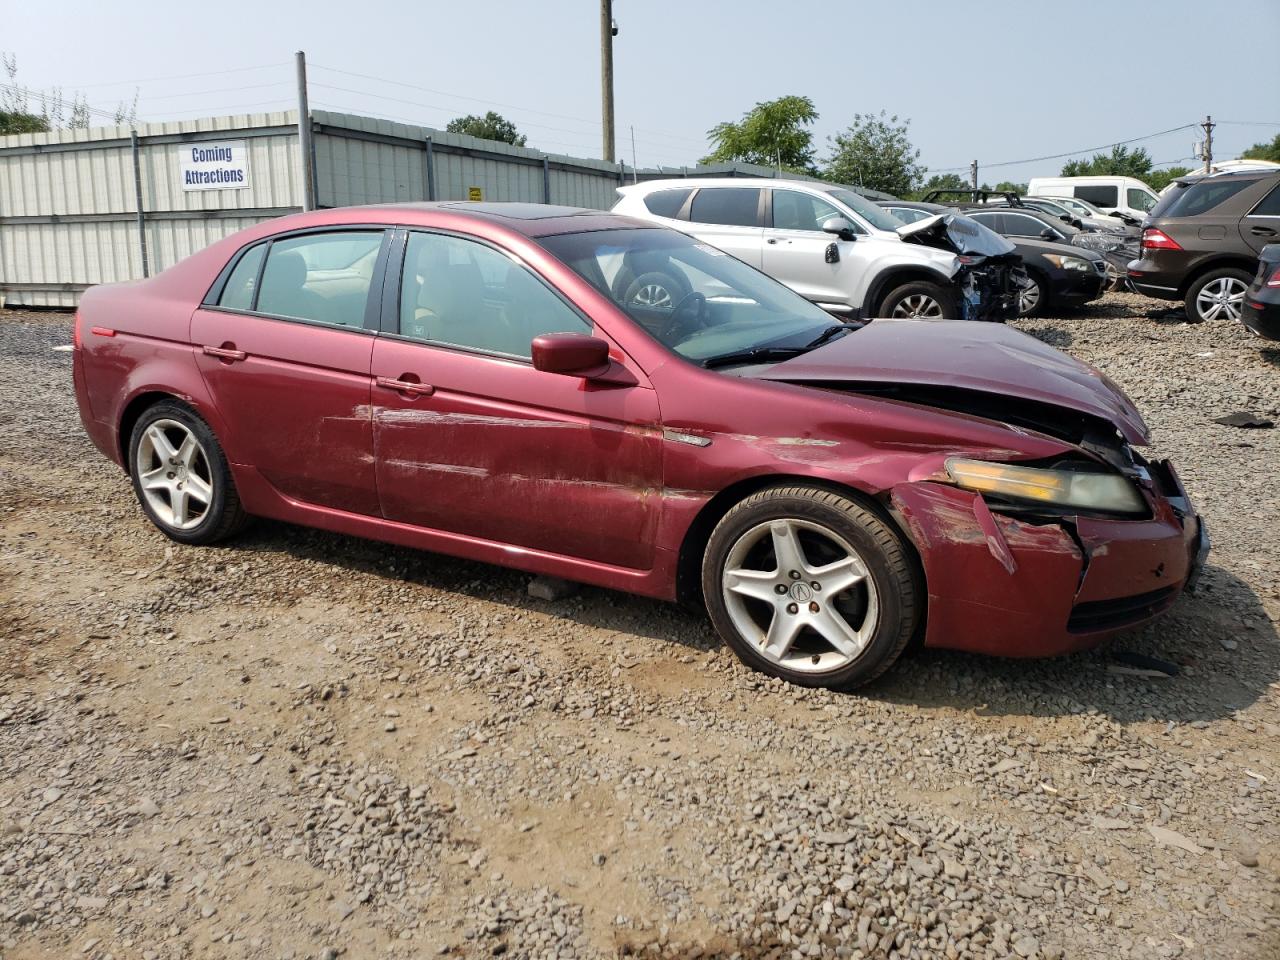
(1207, 127)
(635, 173)
(304, 135)
(973, 174)
(608, 30)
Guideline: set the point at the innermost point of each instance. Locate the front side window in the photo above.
(460, 293)
(1140, 199)
(1100, 195)
(1017, 225)
(667, 203)
(238, 293)
(323, 277)
(793, 210)
(729, 206)
(992, 221)
(691, 297)
(877, 216)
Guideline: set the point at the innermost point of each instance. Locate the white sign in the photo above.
(215, 166)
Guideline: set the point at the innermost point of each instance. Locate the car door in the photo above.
(1262, 224)
(730, 219)
(469, 438)
(284, 345)
(796, 250)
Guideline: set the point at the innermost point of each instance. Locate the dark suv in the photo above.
(1201, 242)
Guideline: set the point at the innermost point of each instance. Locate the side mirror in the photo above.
(841, 227)
(572, 354)
(1047, 234)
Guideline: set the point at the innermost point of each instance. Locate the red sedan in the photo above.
(511, 383)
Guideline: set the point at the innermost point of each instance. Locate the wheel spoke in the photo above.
(786, 547)
(186, 453)
(753, 583)
(834, 629)
(1212, 312)
(199, 489)
(160, 443)
(782, 633)
(838, 576)
(156, 479)
(178, 506)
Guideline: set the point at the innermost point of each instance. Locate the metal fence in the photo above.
(81, 207)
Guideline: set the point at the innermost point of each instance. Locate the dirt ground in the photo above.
(303, 745)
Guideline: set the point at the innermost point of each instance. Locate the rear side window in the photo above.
(324, 278)
(1099, 195)
(731, 206)
(1019, 225)
(666, 203)
(1270, 205)
(238, 293)
(1204, 195)
(992, 221)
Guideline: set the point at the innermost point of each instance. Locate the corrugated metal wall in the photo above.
(68, 216)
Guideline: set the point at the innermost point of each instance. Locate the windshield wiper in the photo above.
(772, 354)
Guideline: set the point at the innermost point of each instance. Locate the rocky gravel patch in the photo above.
(302, 745)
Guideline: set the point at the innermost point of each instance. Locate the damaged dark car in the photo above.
(464, 378)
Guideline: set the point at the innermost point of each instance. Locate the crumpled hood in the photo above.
(959, 233)
(987, 358)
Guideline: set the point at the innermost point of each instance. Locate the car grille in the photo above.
(1109, 614)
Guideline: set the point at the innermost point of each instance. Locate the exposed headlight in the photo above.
(1105, 492)
(1068, 263)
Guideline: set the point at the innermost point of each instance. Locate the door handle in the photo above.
(226, 352)
(771, 240)
(1262, 231)
(411, 387)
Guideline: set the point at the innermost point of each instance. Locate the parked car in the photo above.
(1261, 312)
(1108, 193)
(1083, 208)
(833, 247)
(993, 198)
(463, 377)
(1012, 223)
(1058, 274)
(1201, 243)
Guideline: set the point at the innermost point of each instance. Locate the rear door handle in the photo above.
(1262, 231)
(406, 386)
(225, 352)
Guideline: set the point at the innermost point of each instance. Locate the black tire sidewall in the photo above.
(1193, 313)
(892, 631)
(945, 299)
(216, 522)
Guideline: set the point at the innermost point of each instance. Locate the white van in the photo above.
(1125, 194)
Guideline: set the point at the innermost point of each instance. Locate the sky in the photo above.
(997, 81)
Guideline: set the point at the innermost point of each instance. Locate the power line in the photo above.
(202, 93)
(181, 76)
(1069, 153)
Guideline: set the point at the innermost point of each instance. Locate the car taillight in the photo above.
(1153, 239)
(75, 331)
(1275, 278)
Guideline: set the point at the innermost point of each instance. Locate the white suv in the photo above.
(837, 248)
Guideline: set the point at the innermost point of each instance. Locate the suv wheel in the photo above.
(1218, 295)
(918, 300)
(807, 585)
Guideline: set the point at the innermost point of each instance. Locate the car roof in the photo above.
(529, 219)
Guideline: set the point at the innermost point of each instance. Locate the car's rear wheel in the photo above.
(181, 477)
(808, 585)
(918, 300)
(1218, 295)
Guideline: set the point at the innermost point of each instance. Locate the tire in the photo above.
(1041, 296)
(875, 615)
(656, 290)
(171, 498)
(1226, 279)
(905, 300)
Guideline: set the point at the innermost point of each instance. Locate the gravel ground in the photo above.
(303, 745)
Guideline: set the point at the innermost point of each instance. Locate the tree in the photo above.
(1120, 162)
(492, 126)
(941, 181)
(773, 134)
(1008, 186)
(55, 112)
(1157, 180)
(875, 152)
(1264, 151)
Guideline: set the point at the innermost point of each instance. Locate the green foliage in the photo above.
(940, 181)
(1157, 180)
(55, 110)
(17, 122)
(492, 126)
(1008, 186)
(1264, 151)
(772, 133)
(875, 152)
(1120, 162)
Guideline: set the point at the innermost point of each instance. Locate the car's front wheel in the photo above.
(1218, 295)
(806, 584)
(918, 300)
(181, 477)
(1033, 297)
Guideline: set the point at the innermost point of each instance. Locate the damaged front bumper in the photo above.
(1026, 586)
(989, 287)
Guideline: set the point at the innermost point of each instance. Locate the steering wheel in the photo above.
(691, 311)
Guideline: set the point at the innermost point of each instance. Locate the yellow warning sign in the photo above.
(475, 193)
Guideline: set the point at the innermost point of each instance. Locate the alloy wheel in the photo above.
(1221, 298)
(1028, 298)
(801, 595)
(917, 306)
(174, 475)
(653, 295)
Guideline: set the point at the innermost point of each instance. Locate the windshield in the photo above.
(868, 211)
(693, 298)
